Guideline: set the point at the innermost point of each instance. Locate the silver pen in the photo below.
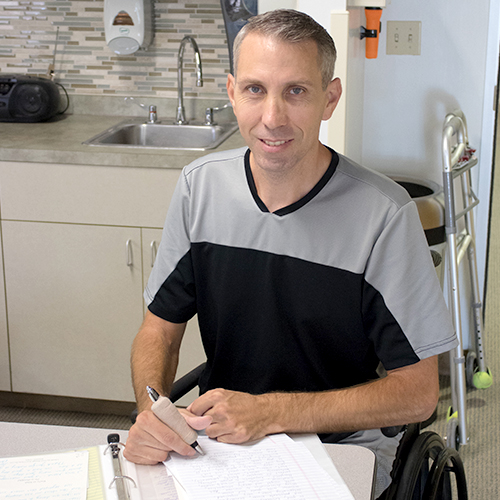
(166, 411)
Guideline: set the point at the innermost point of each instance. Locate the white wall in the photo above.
(407, 97)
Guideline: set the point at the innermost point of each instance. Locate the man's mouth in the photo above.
(273, 143)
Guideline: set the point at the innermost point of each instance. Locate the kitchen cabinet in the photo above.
(74, 307)
(78, 243)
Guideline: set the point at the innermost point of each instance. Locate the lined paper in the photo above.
(155, 483)
(58, 476)
(274, 468)
(96, 486)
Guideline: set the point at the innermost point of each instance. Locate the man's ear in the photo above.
(230, 88)
(333, 92)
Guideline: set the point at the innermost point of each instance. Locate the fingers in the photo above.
(196, 422)
(225, 433)
(150, 441)
(236, 416)
(200, 406)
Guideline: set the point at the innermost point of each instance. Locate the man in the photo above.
(306, 270)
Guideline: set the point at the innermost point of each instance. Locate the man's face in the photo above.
(279, 101)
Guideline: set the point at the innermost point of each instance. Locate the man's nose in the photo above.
(274, 114)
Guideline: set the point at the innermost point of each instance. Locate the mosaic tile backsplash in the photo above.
(85, 65)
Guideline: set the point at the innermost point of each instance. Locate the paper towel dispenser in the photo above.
(128, 25)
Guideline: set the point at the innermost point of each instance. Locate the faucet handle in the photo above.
(153, 117)
(209, 113)
(209, 116)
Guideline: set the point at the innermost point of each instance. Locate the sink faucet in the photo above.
(181, 118)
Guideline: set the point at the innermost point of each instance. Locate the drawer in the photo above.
(86, 194)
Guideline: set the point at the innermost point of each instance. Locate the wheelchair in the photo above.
(423, 468)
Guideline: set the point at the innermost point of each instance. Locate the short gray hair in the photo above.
(291, 26)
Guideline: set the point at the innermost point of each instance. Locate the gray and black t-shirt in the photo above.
(309, 298)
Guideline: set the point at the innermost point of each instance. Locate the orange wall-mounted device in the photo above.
(372, 30)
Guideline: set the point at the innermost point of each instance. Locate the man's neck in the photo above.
(281, 189)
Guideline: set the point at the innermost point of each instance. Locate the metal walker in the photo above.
(458, 160)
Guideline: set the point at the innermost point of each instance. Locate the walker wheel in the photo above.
(452, 438)
(471, 366)
(482, 380)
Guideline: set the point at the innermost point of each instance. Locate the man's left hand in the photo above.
(238, 417)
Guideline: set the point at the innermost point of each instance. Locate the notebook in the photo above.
(274, 467)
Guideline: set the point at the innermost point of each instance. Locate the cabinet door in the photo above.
(74, 307)
(192, 353)
(4, 340)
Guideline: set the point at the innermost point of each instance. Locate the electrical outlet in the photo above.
(403, 37)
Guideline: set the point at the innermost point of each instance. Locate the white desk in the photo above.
(355, 464)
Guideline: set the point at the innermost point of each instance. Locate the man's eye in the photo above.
(253, 89)
(296, 91)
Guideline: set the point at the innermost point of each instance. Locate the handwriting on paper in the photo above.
(274, 469)
(59, 476)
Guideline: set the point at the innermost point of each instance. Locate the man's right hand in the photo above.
(150, 440)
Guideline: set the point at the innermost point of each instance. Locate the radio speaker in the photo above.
(28, 99)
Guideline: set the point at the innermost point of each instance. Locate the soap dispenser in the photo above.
(128, 25)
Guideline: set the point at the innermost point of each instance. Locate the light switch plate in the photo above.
(403, 37)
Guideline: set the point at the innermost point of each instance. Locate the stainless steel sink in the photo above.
(137, 134)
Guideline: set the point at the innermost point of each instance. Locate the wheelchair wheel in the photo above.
(438, 486)
(411, 483)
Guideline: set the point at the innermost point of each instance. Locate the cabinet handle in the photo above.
(129, 258)
(154, 251)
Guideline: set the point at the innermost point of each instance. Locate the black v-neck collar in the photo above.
(299, 203)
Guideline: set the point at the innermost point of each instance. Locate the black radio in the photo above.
(27, 98)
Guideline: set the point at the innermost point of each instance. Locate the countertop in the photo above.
(60, 141)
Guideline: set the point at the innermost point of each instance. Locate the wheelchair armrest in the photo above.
(187, 382)
(390, 432)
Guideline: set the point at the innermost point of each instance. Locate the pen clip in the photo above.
(152, 394)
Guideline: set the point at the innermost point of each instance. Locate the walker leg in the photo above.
(482, 378)
(457, 359)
